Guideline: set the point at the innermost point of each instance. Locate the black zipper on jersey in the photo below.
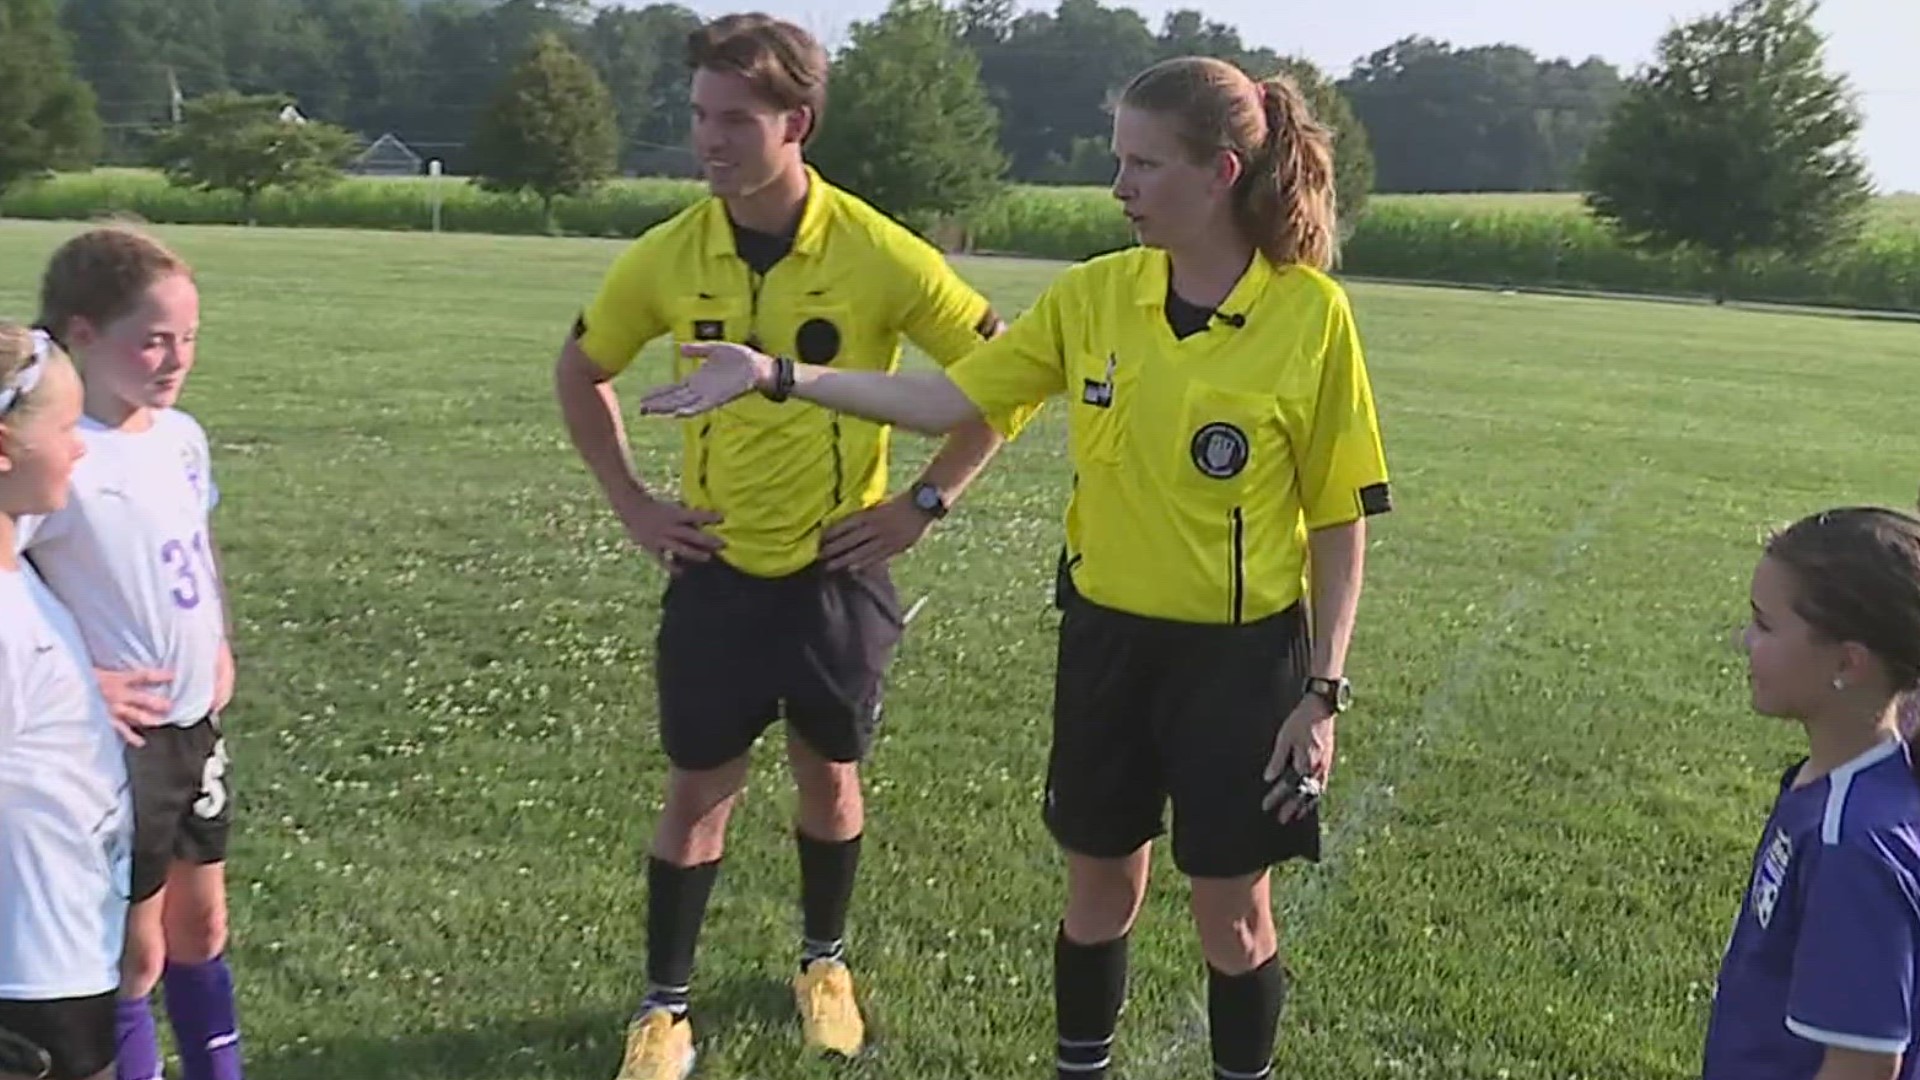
(700, 468)
(1237, 523)
(754, 282)
(839, 466)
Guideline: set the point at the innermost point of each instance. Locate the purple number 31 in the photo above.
(187, 564)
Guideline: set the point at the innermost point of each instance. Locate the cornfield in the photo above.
(1495, 240)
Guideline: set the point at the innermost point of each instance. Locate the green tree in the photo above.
(235, 142)
(1736, 139)
(551, 127)
(640, 54)
(1051, 75)
(908, 126)
(126, 50)
(1489, 118)
(47, 119)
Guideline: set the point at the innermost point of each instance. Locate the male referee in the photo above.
(783, 531)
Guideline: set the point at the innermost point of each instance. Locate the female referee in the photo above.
(1224, 440)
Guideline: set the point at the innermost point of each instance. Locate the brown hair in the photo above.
(1858, 569)
(1284, 200)
(17, 348)
(99, 276)
(784, 64)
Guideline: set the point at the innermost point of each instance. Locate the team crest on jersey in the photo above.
(1770, 877)
(1220, 450)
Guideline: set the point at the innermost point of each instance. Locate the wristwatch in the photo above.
(1337, 693)
(928, 500)
(783, 376)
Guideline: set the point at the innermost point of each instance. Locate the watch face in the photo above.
(1336, 692)
(926, 498)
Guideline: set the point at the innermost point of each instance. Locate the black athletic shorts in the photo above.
(182, 806)
(1147, 710)
(77, 1033)
(737, 652)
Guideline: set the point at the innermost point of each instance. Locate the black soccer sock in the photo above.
(1089, 987)
(827, 869)
(676, 906)
(1243, 1013)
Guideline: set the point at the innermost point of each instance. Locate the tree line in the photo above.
(1735, 139)
(1442, 118)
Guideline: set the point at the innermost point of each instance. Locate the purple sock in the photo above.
(200, 1006)
(137, 1053)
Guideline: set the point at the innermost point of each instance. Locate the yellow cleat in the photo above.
(829, 1019)
(659, 1047)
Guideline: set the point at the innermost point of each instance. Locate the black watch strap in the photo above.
(783, 377)
(1337, 693)
(927, 499)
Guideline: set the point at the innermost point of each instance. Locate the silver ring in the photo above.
(1311, 788)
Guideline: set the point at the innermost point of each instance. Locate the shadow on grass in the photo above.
(582, 1045)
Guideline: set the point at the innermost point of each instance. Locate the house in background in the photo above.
(386, 156)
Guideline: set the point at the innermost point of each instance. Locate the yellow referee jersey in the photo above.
(1200, 463)
(852, 285)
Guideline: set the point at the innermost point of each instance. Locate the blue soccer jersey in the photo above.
(1824, 952)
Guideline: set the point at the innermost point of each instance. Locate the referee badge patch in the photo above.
(1220, 450)
(709, 330)
(817, 341)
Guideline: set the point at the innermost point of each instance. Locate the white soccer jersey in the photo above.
(66, 822)
(130, 555)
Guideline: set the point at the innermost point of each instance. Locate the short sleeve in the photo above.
(624, 315)
(939, 311)
(1341, 465)
(1853, 963)
(1010, 377)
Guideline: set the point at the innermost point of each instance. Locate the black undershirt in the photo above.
(760, 250)
(1185, 317)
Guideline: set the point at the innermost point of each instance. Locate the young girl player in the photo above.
(132, 556)
(1818, 979)
(66, 825)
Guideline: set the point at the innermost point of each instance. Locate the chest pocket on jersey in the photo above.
(1100, 388)
(823, 331)
(709, 318)
(1228, 435)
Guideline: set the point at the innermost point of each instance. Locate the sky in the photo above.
(1872, 42)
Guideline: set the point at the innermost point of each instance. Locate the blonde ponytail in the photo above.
(1286, 202)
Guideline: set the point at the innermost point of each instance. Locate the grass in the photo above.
(447, 768)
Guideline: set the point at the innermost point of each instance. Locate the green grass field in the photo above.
(447, 766)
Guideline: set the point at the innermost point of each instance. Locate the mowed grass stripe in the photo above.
(447, 762)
